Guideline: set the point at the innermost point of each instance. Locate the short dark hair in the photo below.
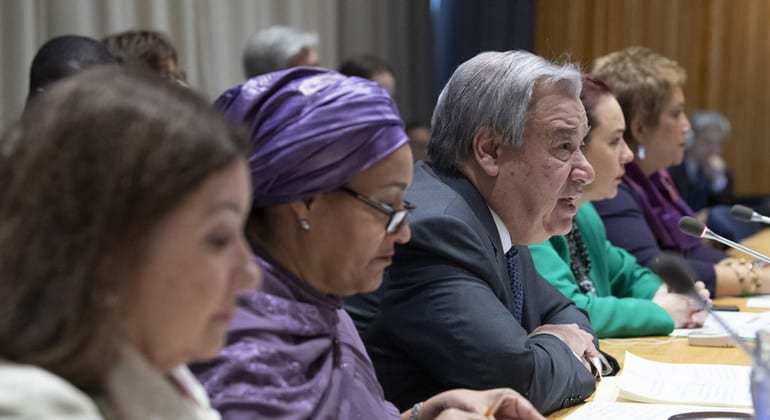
(149, 49)
(365, 66)
(64, 56)
(593, 90)
(87, 173)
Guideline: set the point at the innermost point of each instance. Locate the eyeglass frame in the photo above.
(396, 218)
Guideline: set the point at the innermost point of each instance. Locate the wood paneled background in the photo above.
(723, 44)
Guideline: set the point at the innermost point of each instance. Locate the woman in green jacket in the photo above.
(622, 298)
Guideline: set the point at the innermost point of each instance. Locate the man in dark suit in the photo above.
(462, 305)
(703, 178)
(706, 183)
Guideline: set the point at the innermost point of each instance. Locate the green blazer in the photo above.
(623, 304)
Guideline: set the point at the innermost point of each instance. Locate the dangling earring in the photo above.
(641, 152)
(304, 224)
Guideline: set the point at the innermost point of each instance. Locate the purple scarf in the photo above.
(312, 130)
(662, 206)
(293, 353)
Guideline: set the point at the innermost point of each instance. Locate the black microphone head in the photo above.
(674, 271)
(742, 213)
(692, 226)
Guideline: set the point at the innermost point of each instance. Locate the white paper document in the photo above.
(758, 302)
(637, 411)
(607, 390)
(746, 324)
(691, 384)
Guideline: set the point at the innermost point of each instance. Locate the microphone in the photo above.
(677, 276)
(694, 227)
(675, 272)
(746, 214)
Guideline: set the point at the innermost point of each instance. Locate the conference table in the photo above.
(672, 350)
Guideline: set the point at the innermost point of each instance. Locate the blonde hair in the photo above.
(643, 82)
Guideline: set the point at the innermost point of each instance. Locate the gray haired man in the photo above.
(279, 47)
(462, 304)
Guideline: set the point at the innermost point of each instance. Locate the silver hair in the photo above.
(703, 120)
(272, 49)
(492, 90)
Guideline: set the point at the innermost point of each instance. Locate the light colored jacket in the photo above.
(28, 392)
(135, 391)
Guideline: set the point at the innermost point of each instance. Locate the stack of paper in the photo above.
(636, 411)
(668, 389)
(693, 384)
(746, 324)
(759, 302)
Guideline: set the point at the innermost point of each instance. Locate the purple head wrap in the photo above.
(311, 130)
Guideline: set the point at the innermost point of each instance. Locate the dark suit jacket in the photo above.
(697, 192)
(446, 320)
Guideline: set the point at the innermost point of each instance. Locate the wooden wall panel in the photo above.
(723, 44)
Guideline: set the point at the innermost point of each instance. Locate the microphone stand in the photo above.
(708, 234)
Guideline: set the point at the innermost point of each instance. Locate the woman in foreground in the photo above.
(121, 249)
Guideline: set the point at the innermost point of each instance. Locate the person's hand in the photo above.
(677, 306)
(455, 414)
(703, 292)
(763, 271)
(685, 311)
(501, 404)
(715, 166)
(699, 316)
(578, 340)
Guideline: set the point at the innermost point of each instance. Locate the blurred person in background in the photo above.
(705, 181)
(703, 177)
(63, 56)
(279, 47)
(151, 50)
(419, 136)
(373, 68)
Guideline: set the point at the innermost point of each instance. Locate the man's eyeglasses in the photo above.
(396, 218)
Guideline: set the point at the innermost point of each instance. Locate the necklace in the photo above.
(580, 261)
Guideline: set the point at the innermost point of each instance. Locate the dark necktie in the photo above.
(517, 286)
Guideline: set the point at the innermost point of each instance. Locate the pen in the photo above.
(492, 409)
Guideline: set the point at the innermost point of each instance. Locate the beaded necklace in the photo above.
(580, 261)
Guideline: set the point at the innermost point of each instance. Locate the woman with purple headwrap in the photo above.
(330, 167)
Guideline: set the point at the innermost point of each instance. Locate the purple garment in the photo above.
(627, 219)
(312, 130)
(663, 207)
(293, 353)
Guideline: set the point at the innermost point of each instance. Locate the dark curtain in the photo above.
(464, 28)
(425, 40)
(400, 32)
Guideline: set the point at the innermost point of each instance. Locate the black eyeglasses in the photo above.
(396, 218)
